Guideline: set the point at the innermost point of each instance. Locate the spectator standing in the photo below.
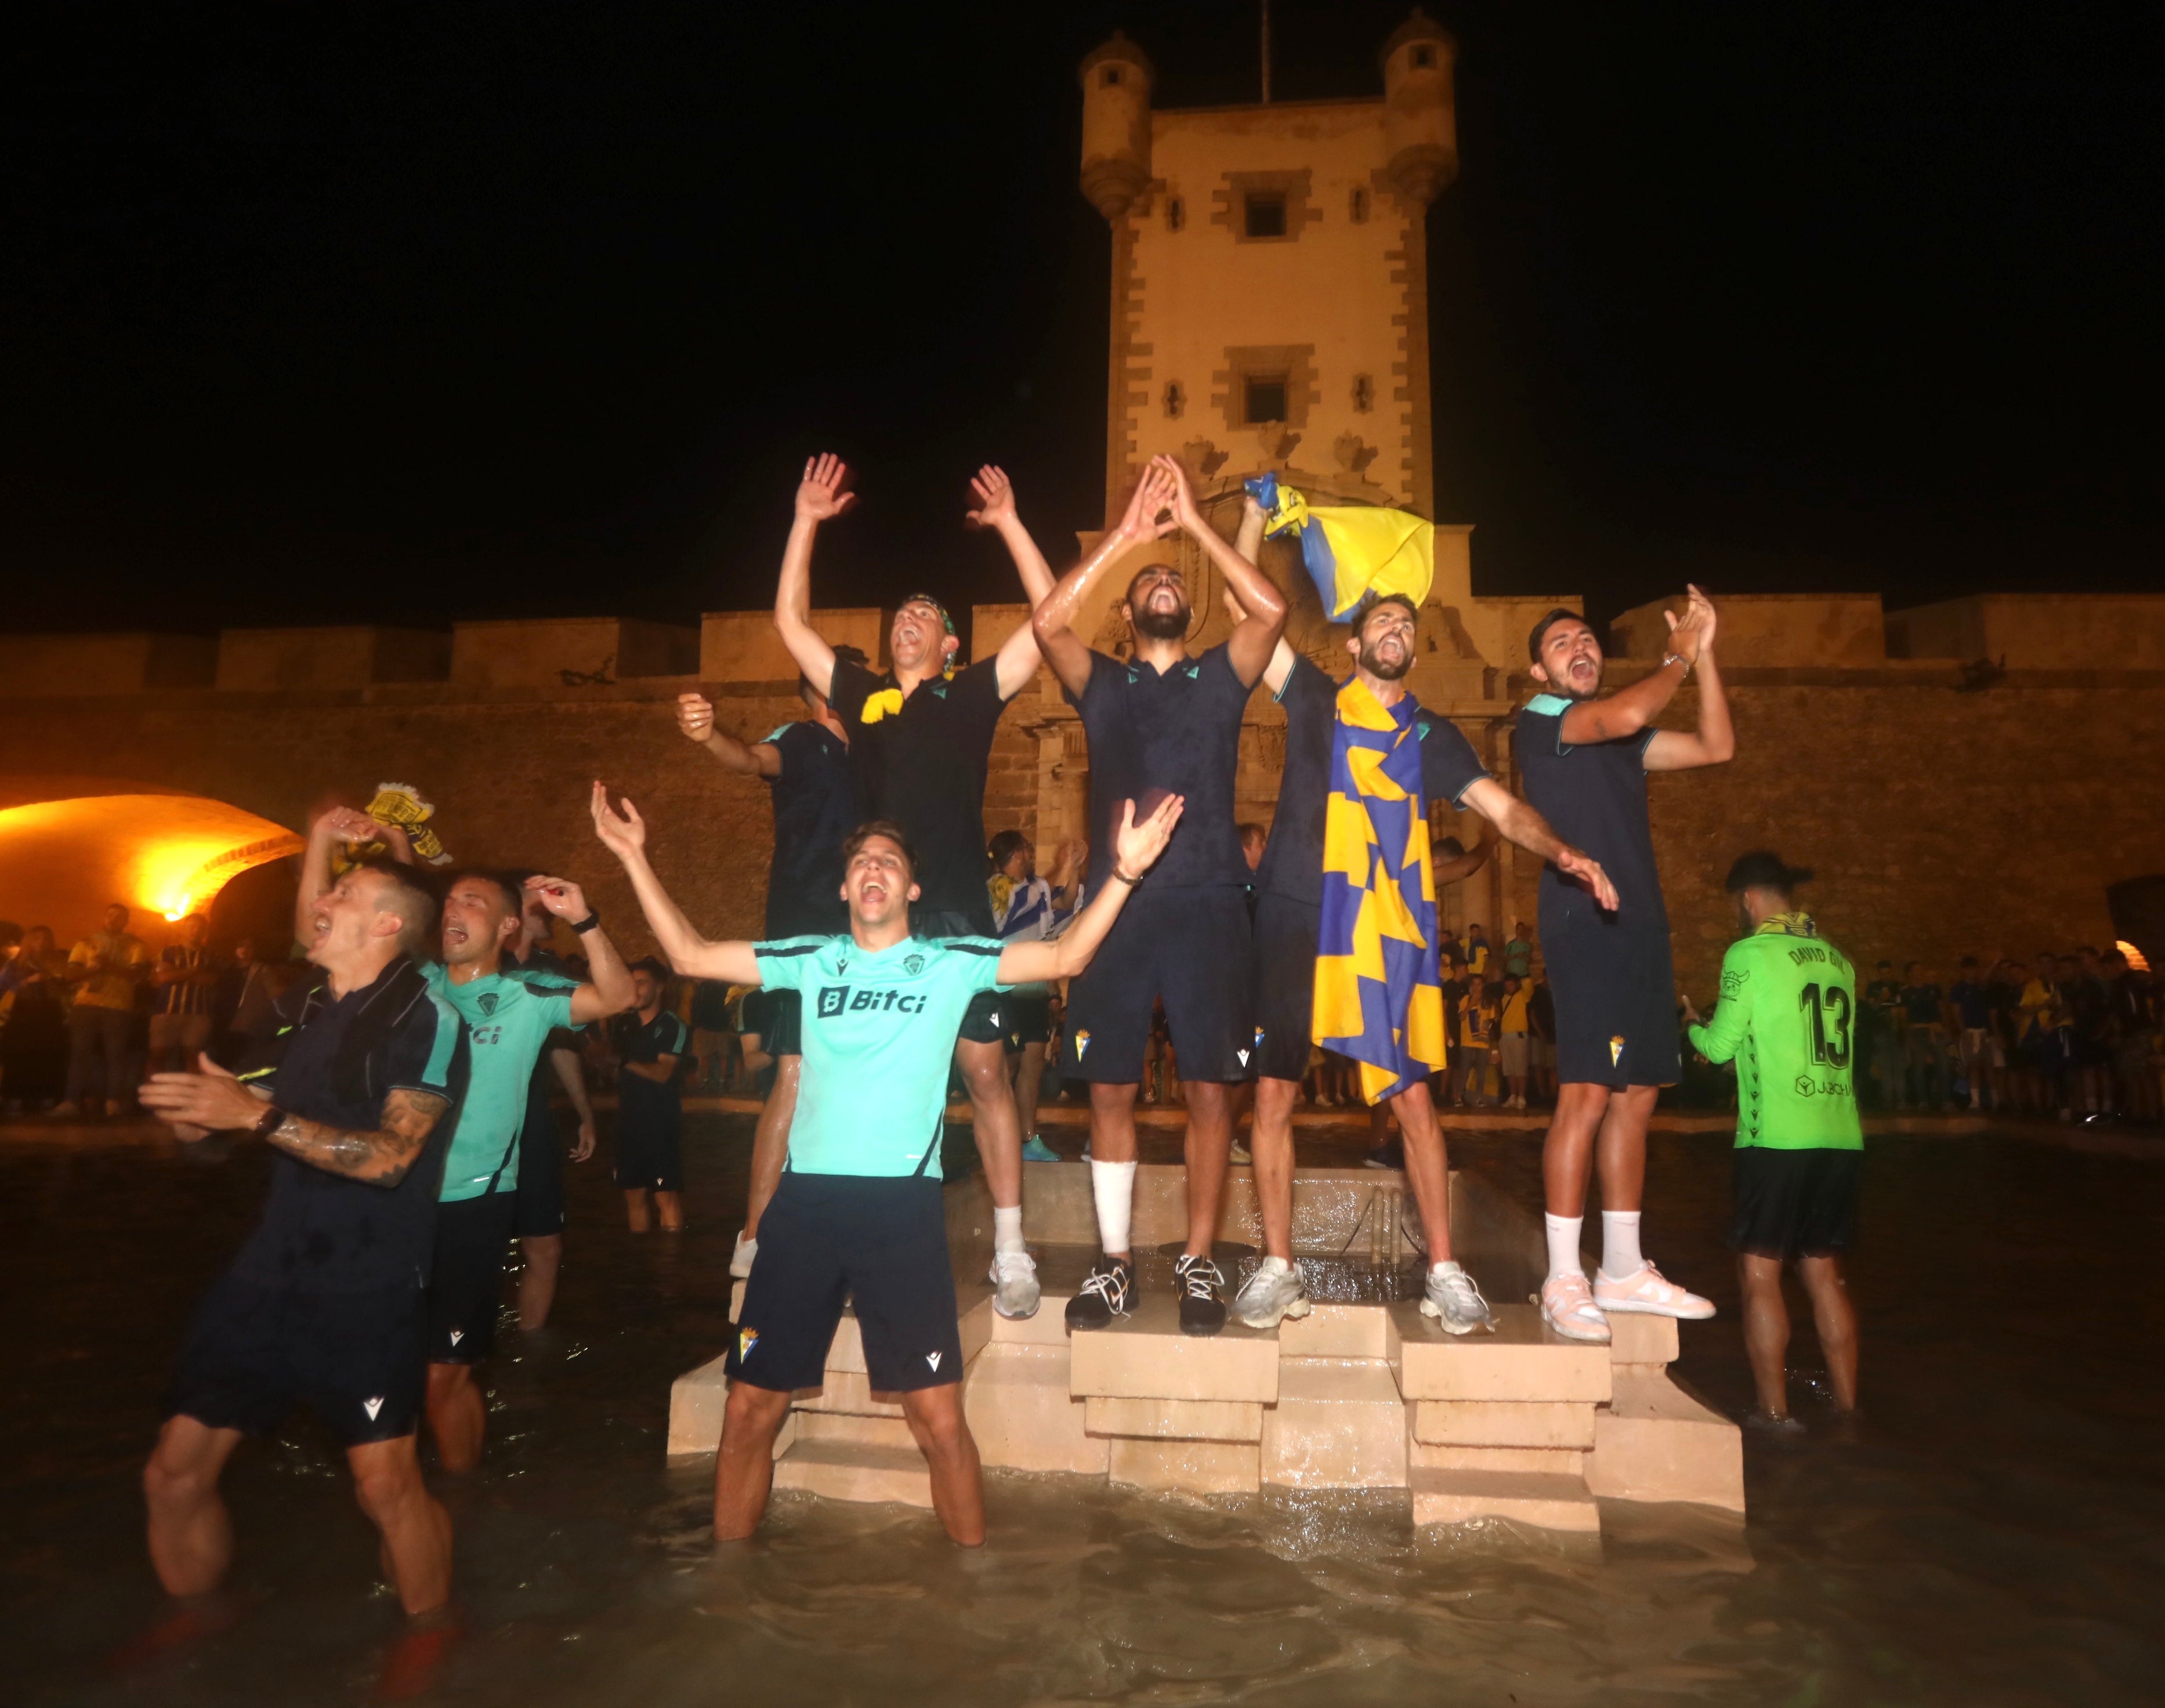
(1541, 1032)
(1972, 1003)
(1512, 1027)
(650, 1042)
(2132, 1033)
(1519, 954)
(2002, 995)
(1924, 1039)
(1883, 998)
(34, 1026)
(105, 967)
(2087, 1005)
(714, 1041)
(183, 985)
(1476, 953)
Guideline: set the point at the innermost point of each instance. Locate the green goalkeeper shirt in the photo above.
(1787, 1017)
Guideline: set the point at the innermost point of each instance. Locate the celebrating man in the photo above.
(859, 1213)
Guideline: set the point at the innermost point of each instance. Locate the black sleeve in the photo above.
(1449, 765)
(976, 691)
(853, 685)
(1217, 665)
(1307, 690)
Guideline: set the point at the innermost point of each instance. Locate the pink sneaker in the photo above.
(1647, 1291)
(1568, 1308)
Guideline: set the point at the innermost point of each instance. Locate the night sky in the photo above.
(363, 313)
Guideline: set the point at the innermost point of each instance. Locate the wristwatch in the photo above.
(267, 1123)
(591, 923)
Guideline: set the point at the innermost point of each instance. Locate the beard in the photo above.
(1162, 625)
(1382, 671)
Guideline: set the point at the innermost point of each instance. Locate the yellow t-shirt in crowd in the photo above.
(2037, 1007)
(1476, 1020)
(1514, 1017)
(108, 949)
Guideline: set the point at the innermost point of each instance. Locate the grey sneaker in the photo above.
(1014, 1284)
(1275, 1290)
(1455, 1301)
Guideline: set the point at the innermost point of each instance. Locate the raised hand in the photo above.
(1184, 510)
(624, 835)
(1136, 846)
(1691, 634)
(560, 896)
(350, 824)
(821, 496)
(1588, 871)
(1153, 495)
(995, 494)
(695, 716)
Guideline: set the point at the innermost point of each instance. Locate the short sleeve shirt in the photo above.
(815, 809)
(647, 1041)
(334, 1060)
(187, 996)
(107, 989)
(1293, 858)
(1174, 732)
(1788, 1018)
(509, 1015)
(878, 1032)
(920, 760)
(1594, 795)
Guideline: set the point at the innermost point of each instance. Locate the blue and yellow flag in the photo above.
(1352, 552)
(1379, 996)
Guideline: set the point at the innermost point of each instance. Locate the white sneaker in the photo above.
(1649, 1293)
(1567, 1307)
(740, 1258)
(1239, 1153)
(1275, 1290)
(1014, 1284)
(1453, 1299)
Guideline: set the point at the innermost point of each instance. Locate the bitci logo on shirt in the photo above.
(840, 998)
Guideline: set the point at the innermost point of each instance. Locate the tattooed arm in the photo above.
(213, 1101)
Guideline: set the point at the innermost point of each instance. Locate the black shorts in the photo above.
(254, 1349)
(1286, 932)
(878, 1242)
(774, 1015)
(1194, 947)
(984, 1021)
(465, 1282)
(1796, 1204)
(539, 1196)
(650, 1153)
(1027, 1020)
(1616, 994)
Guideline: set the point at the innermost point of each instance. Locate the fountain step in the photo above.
(1016, 1399)
(1338, 1424)
(1522, 1497)
(854, 1471)
(853, 1430)
(1186, 1467)
(1524, 1360)
(1145, 1356)
(1503, 1423)
(1657, 1440)
(1174, 1420)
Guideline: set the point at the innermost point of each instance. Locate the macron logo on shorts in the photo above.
(933, 1359)
(372, 1406)
(457, 1335)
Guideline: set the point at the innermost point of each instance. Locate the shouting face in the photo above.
(918, 642)
(878, 884)
(479, 920)
(1571, 660)
(1157, 603)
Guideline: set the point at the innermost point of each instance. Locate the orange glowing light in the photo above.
(167, 854)
(2136, 960)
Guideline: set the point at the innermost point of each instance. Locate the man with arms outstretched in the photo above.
(1164, 721)
(325, 1303)
(920, 735)
(859, 1215)
(1584, 758)
(1288, 913)
(806, 767)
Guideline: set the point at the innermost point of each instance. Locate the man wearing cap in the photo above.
(920, 734)
(1787, 1017)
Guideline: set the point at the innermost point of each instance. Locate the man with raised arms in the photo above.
(920, 735)
(859, 1215)
(806, 767)
(1164, 721)
(1288, 913)
(1585, 758)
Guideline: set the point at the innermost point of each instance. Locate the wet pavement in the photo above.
(1994, 1534)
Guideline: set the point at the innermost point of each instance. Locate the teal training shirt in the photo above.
(508, 1017)
(1787, 1014)
(878, 1031)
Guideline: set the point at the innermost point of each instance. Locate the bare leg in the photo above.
(417, 1531)
(1766, 1330)
(1428, 1167)
(1622, 1152)
(744, 1468)
(634, 1209)
(935, 1417)
(1834, 1317)
(1567, 1154)
(1271, 1142)
(1209, 1140)
(1113, 1127)
(770, 1145)
(669, 1206)
(456, 1416)
(191, 1533)
(993, 1119)
(537, 1281)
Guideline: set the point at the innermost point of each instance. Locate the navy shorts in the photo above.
(466, 1280)
(649, 1152)
(985, 1021)
(253, 1350)
(1286, 932)
(774, 1015)
(539, 1195)
(1026, 1020)
(1616, 994)
(876, 1242)
(1796, 1204)
(1194, 947)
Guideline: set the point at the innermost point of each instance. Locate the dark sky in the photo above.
(410, 313)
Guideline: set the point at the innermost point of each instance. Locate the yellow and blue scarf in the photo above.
(1351, 551)
(1379, 996)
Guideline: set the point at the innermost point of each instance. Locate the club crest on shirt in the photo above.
(914, 965)
(486, 1002)
(747, 1338)
(1082, 1045)
(1259, 1040)
(1616, 1049)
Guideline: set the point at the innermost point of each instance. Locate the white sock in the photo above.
(1007, 1229)
(1619, 1244)
(1113, 1184)
(1563, 1244)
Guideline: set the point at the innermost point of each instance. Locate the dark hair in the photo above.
(1911, 966)
(1541, 629)
(1451, 848)
(405, 895)
(652, 966)
(879, 827)
(1006, 845)
(510, 888)
(1764, 869)
(1360, 618)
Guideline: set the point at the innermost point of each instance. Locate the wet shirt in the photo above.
(509, 1015)
(1594, 795)
(879, 1032)
(920, 761)
(1177, 732)
(815, 809)
(1293, 858)
(646, 1042)
(334, 1060)
(1787, 1017)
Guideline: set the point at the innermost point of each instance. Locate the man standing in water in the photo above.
(859, 1214)
(325, 1303)
(1787, 1017)
(806, 767)
(1585, 759)
(1163, 721)
(920, 735)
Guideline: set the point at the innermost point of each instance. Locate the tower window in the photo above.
(1176, 400)
(1265, 216)
(1265, 398)
(1364, 393)
(1422, 56)
(1113, 74)
(1176, 215)
(1359, 209)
